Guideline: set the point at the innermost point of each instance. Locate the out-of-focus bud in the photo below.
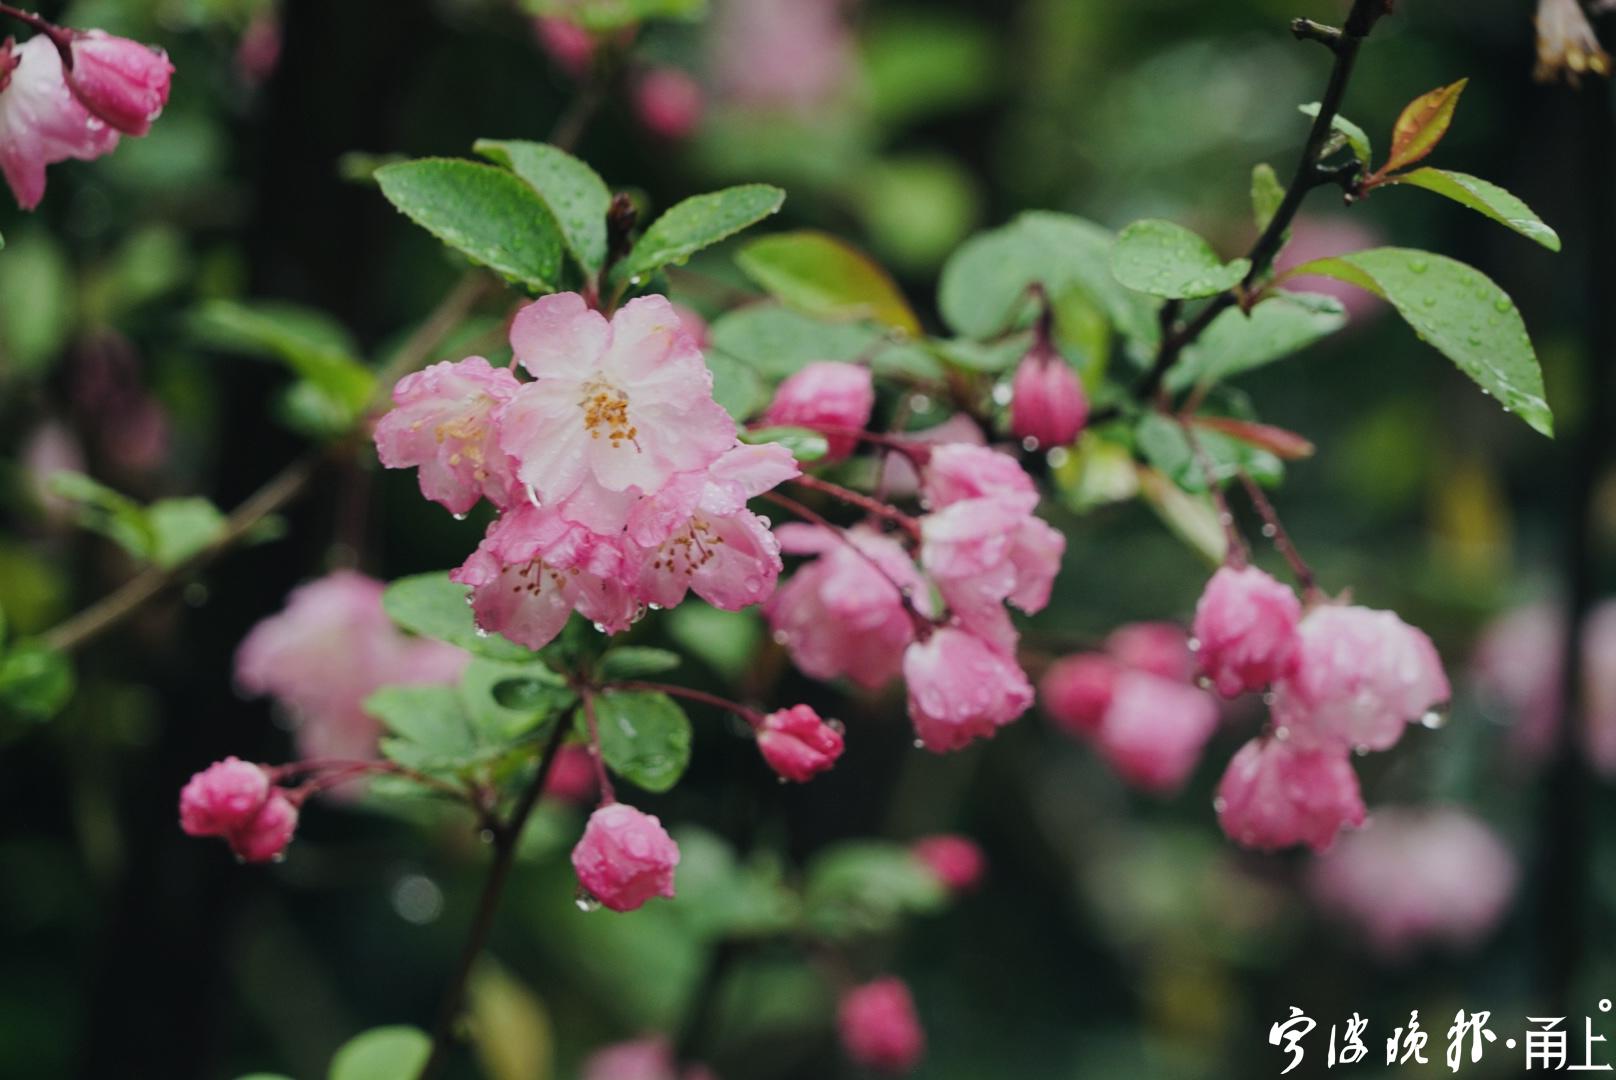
(121, 82)
(1047, 403)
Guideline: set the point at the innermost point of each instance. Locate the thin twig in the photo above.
(862, 501)
(750, 715)
(1274, 529)
(592, 725)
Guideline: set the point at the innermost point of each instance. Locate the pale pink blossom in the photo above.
(121, 82)
(223, 798)
(1415, 877)
(442, 424)
(1519, 664)
(827, 394)
(879, 1027)
(1154, 730)
(669, 102)
(258, 52)
(1359, 678)
(1047, 402)
(899, 477)
(1245, 629)
(41, 122)
(1276, 795)
(797, 744)
(1077, 689)
(650, 1058)
(958, 471)
(961, 688)
(794, 55)
(615, 410)
(625, 857)
(1161, 648)
(843, 614)
(957, 861)
(568, 44)
(49, 449)
(983, 552)
(1325, 237)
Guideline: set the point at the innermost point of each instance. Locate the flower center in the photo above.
(606, 414)
(690, 550)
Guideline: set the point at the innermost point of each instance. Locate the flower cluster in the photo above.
(237, 800)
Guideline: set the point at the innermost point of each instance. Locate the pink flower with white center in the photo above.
(121, 82)
(1154, 730)
(1360, 677)
(1047, 403)
(572, 776)
(1161, 648)
(669, 102)
(1245, 629)
(442, 423)
(265, 837)
(1076, 691)
(827, 394)
(843, 614)
(615, 410)
(625, 857)
(797, 744)
(959, 471)
(961, 689)
(41, 122)
(223, 798)
(1416, 877)
(879, 1028)
(1276, 795)
(956, 861)
(535, 568)
(650, 1058)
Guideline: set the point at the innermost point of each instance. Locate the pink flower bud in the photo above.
(1047, 403)
(1161, 648)
(826, 394)
(267, 834)
(1245, 625)
(958, 863)
(669, 103)
(120, 81)
(961, 688)
(572, 776)
(568, 44)
(879, 1027)
(223, 798)
(1276, 795)
(625, 857)
(1076, 691)
(797, 744)
(1154, 730)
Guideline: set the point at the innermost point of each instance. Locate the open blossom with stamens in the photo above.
(615, 409)
(625, 857)
(121, 82)
(961, 688)
(826, 394)
(443, 424)
(1245, 625)
(41, 122)
(1276, 795)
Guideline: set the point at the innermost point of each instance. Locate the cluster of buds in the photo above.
(239, 802)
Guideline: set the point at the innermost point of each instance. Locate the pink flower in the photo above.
(266, 836)
(258, 53)
(1519, 664)
(119, 81)
(572, 776)
(1076, 691)
(568, 44)
(958, 863)
(1161, 648)
(1360, 676)
(223, 798)
(1417, 877)
(959, 471)
(669, 103)
(828, 395)
(1276, 795)
(535, 568)
(983, 552)
(650, 1058)
(842, 614)
(1154, 730)
(625, 857)
(898, 475)
(797, 744)
(41, 122)
(615, 410)
(694, 325)
(879, 1027)
(443, 423)
(960, 689)
(1245, 628)
(1047, 403)
(1324, 237)
(783, 54)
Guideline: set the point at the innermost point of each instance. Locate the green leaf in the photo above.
(1356, 139)
(601, 16)
(644, 737)
(433, 606)
(865, 887)
(698, 222)
(314, 346)
(1163, 443)
(432, 719)
(1191, 518)
(182, 528)
(1421, 126)
(485, 213)
(575, 193)
(1460, 312)
(35, 682)
(384, 1053)
(1170, 261)
(805, 445)
(506, 700)
(636, 662)
(1484, 197)
(1237, 342)
(737, 386)
(776, 341)
(824, 276)
(720, 897)
(103, 510)
(923, 62)
(1266, 195)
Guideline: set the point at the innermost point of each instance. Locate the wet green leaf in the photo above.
(1484, 197)
(644, 738)
(575, 193)
(823, 276)
(1170, 261)
(698, 222)
(384, 1053)
(433, 606)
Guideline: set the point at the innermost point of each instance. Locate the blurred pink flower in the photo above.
(1077, 689)
(1154, 730)
(879, 1028)
(826, 394)
(41, 122)
(669, 102)
(961, 688)
(443, 424)
(572, 776)
(1276, 795)
(782, 54)
(1322, 237)
(1245, 629)
(956, 860)
(1519, 663)
(568, 44)
(50, 449)
(650, 1058)
(258, 53)
(1161, 648)
(625, 857)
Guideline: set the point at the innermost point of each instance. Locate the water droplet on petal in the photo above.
(460, 516)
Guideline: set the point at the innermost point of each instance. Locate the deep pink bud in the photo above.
(120, 81)
(1047, 403)
(668, 102)
(625, 857)
(826, 394)
(797, 744)
(879, 1027)
(957, 861)
(1245, 629)
(1155, 729)
(568, 44)
(1276, 795)
(572, 776)
(1076, 691)
(961, 688)
(267, 834)
(1161, 648)
(222, 798)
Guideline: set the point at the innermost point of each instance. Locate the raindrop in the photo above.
(459, 517)
(1058, 457)
(1001, 393)
(1361, 750)
(600, 628)
(1419, 266)
(486, 836)
(920, 403)
(1029, 444)
(1203, 682)
(919, 744)
(1194, 644)
(782, 638)
(587, 902)
(1434, 719)
(417, 899)
(1282, 733)
(482, 633)
(1269, 531)
(1220, 804)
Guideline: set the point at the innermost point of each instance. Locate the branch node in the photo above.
(1308, 30)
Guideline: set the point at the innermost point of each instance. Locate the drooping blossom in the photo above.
(797, 744)
(1047, 402)
(1077, 690)
(985, 552)
(1245, 629)
(1154, 729)
(1161, 648)
(827, 394)
(957, 861)
(879, 1027)
(650, 1058)
(236, 801)
(669, 102)
(961, 689)
(1276, 795)
(443, 423)
(1566, 43)
(41, 122)
(121, 82)
(625, 857)
(958, 471)
(899, 477)
(1417, 877)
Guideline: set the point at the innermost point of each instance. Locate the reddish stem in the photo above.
(864, 502)
(1274, 529)
(607, 794)
(751, 716)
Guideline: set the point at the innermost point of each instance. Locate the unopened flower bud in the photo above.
(121, 82)
(797, 744)
(1047, 402)
(625, 857)
(879, 1028)
(1245, 624)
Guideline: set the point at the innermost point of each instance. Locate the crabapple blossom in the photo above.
(1076, 691)
(1275, 795)
(961, 688)
(1047, 403)
(41, 122)
(898, 475)
(121, 82)
(625, 857)
(1161, 648)
(572, 776)
(1154, 729)
(1245, 629)
(956, 861)
(826, 394)
(959, 471)
(1360, 677)
(797, 744)
(265, 837)
(223, 798)
(983, 552)
(694, 325)
(782, 54)
(443, 424)
(668, 102)
(1519, 664)
(879, 1028)
(568, 44)
(650, 1058)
